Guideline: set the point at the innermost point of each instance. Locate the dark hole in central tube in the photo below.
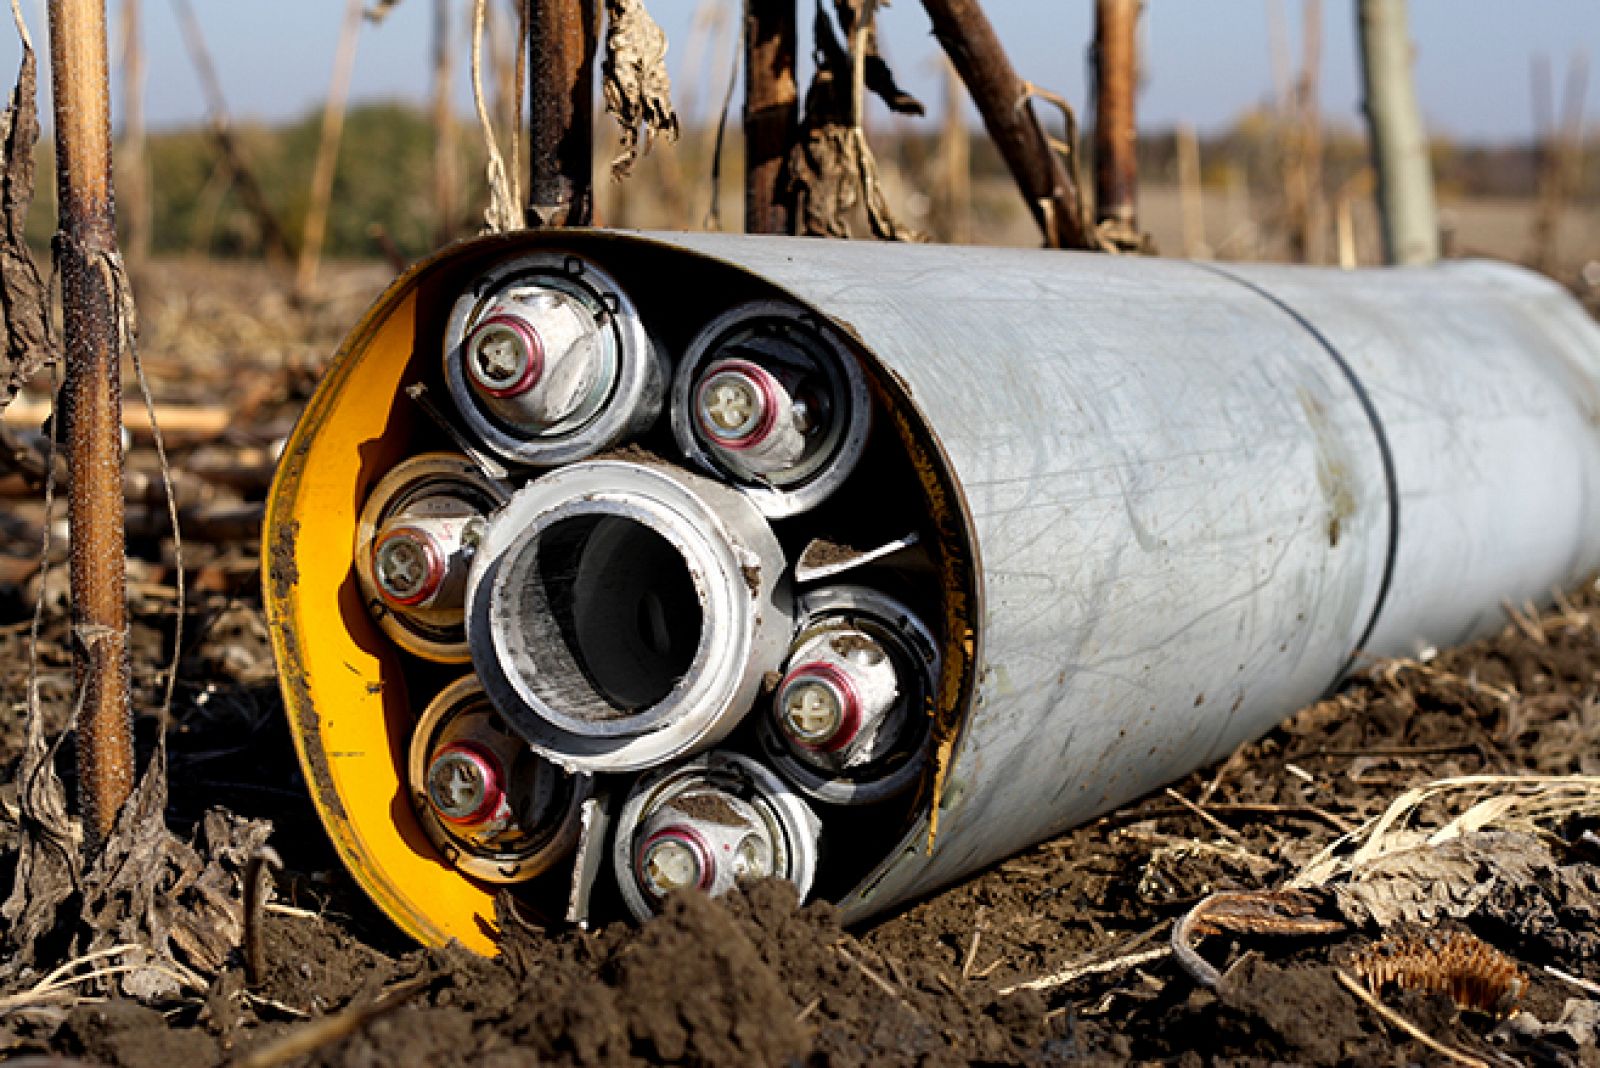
(627, 619)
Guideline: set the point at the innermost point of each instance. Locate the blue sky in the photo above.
(1207, 60)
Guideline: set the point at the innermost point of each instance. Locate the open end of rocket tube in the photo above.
(652, 599)
(622, 613)
(614, 618)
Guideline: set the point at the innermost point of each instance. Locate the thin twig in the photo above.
(256, 872)
(501, 215)
(1569, 612)
(1525, 623)
(713, 220)
(1074, 972)
(972, 946)
(1394, 1019)
(1576, 980)
(130, 343)
(1253, 912)
(22, 26)
(1106, 955)
(877, 980)
(989, 969)
(289, 910)
(44, 538)
(524, 18)
(310, 1037)
(1222, 828)
(1396, 750)
(1388, 673)
(1235, 760)
(1225, 808)
(1182, 947)
(42, 993)
(257, 1001)
(54, 978)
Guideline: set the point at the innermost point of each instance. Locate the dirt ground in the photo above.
(1486, 942)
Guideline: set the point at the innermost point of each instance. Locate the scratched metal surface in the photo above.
(1486, 379)
(1199, 490)
(1185, 503)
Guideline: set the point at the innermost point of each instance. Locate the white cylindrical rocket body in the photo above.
(1198, 492)
(1113, 516)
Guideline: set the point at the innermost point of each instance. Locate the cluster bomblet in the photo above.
(752, 417)
(837, 694)
(848, 720)
(534, 359)
(415, 543)
(498, 811)
(708, 824)
(548, 362)
(768, 399)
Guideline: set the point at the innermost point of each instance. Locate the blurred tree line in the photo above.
(1253, 144)
(384, 171)
(386, 159)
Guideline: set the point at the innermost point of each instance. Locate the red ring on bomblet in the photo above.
(687, 836)
(764, 382)
(493, 792)
(849, 712)
(435, 563)
(532, 371)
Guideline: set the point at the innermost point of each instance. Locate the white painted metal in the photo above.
(537, 822)
(765, 332)
(1197, 492)
(439, 493)
(722, 800)
(891, 755)
(563, 576)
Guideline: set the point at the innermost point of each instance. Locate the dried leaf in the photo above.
(504, 212)
(180, 902)
(822, 181)
(638, 90)
(850, 12)
(830, 53)
(831, 168)
(379, 10)
(1426, 883)
(183, 902)
(880, 80)
(23, 294)
(48, 865)
(1263, 912)
(1560, 912)
(1579, 1023)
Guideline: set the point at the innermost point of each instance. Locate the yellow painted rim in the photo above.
(343, 686)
